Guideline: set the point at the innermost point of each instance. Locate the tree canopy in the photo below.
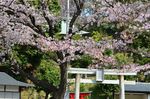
(33, 26)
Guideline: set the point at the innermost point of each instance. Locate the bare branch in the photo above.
(47, 18)
(48, 87)
(111, 5)
(79, 7)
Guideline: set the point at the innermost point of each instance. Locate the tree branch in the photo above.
(23, 2)
(32, 25)
(111, 5)
(79, 7)
(42, 83)
(49, 21)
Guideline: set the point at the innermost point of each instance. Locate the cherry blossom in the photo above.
(25, 25)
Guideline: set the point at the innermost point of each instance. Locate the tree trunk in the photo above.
(63, 82)
(46, 96)
(57, 93)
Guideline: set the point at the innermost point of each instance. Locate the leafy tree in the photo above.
(47, 71)
(28, 25)
(104, 90)
(83, 62)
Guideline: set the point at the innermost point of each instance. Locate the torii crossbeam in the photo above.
(100, 78)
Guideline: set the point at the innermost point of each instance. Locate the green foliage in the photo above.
(108, 52)
(141, 77)
(110, 77)
(77, 37)
(48, 71)
(101, 90)
(50, 56)
(141, 60)
(105, 29)
(27, 55)
(84, 88)
(144, 61)
(142, 41)
(41, 64)
(123, 58)
(109, 28)
(58, 36)
(35, 3)
(54, 6)
(83, 62)
(97, 36)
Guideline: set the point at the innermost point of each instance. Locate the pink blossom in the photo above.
(27, 25)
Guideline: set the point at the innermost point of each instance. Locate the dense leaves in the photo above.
(104, 90)
(84, 62)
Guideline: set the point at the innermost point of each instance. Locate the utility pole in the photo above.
(68, 16)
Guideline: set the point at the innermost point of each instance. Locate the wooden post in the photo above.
(122, 90)
(77, 86)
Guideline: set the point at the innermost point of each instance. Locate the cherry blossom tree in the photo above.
(23, 24)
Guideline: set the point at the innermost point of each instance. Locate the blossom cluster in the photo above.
(134, 15)
(25, 25)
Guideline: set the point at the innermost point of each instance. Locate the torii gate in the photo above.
(99, 78)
